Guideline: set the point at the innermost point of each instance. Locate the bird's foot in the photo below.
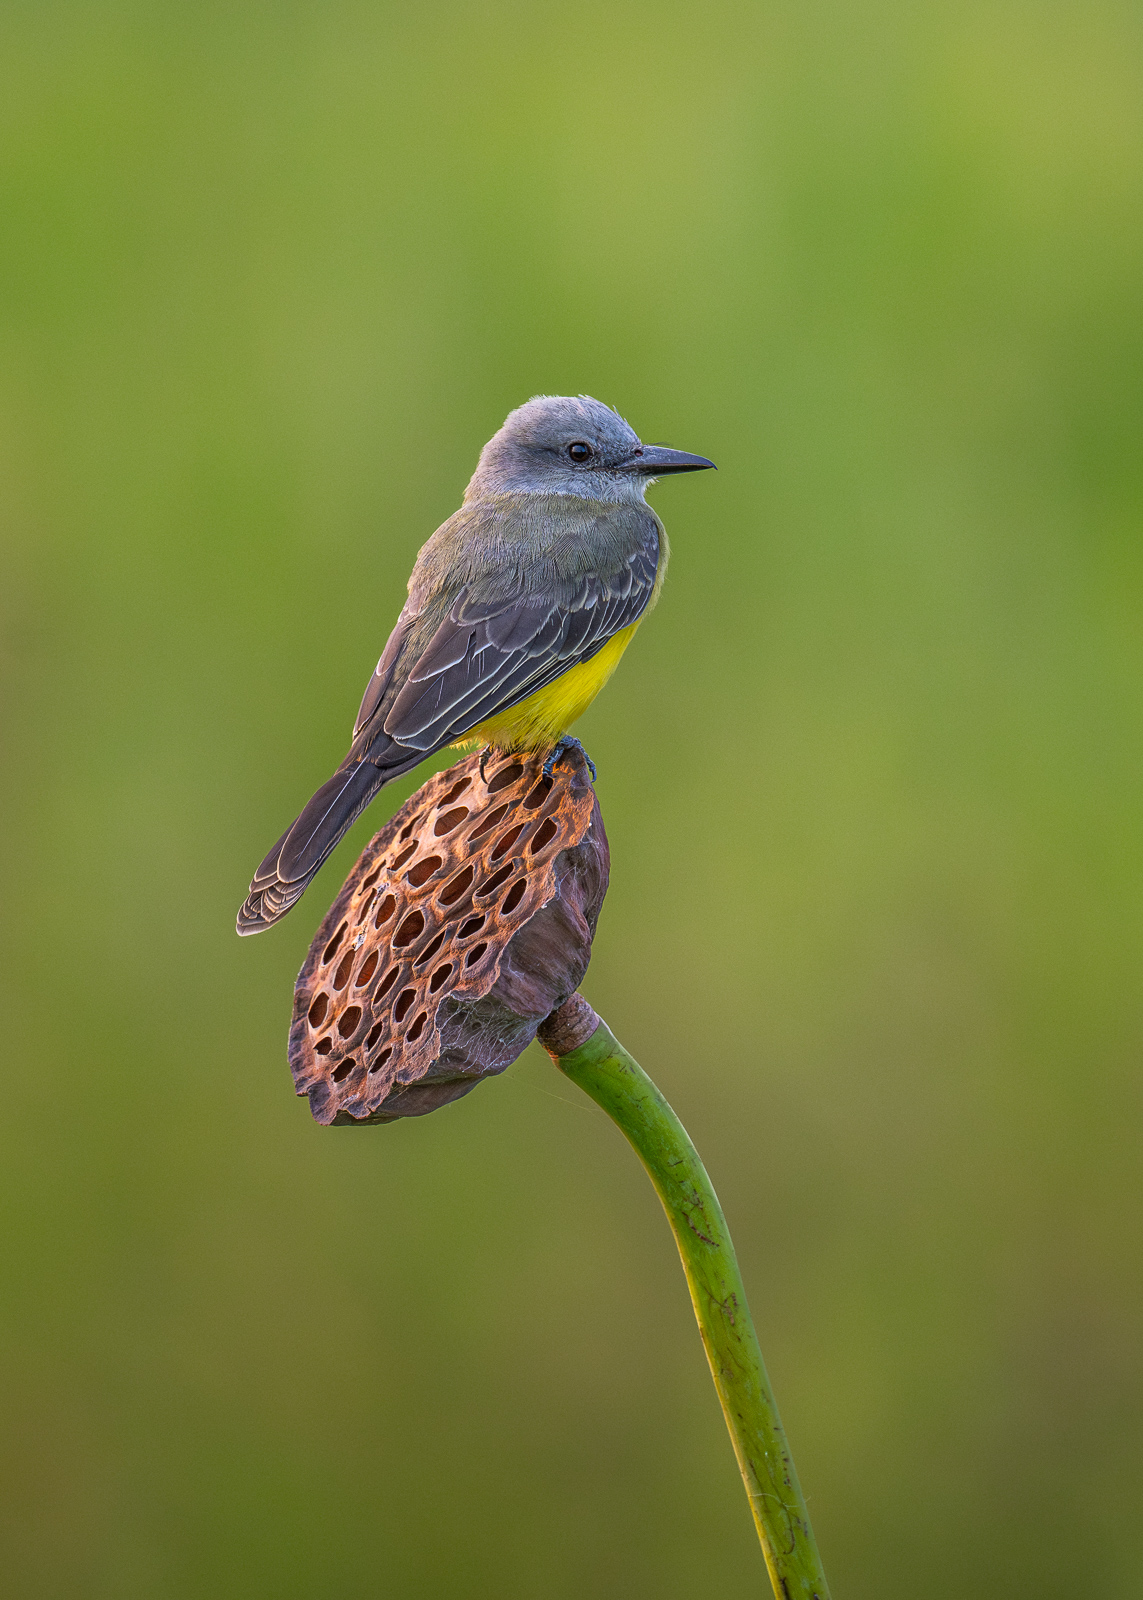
(485, 756)
(564, 745)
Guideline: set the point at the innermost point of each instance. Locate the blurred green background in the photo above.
(873, 777)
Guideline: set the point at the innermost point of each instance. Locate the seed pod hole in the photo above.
(512, 899)
(421, 871)
(475, 954)
(487, 823)
(536, 797)
(344, 968)
(403, 1004)
(368, 968)
(384, 911)
(347, 1022)
(454, 793)
(411, 928)
(368, 882)
(387, 982)
(324, 1046)
(373, 1035)
(331, 947)
(490, 885)
(340, 1073)
(449, 821)
(417, 1027)
(409, 850)
(430, 949)
(504, 777)
(544, 835)
(456, 888)
(471, 926)
(505, 843)
(383, 1056)
(318, 1010)
(440, 977)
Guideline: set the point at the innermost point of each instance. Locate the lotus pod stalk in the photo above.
(462, 934)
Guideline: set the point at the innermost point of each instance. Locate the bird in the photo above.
(519, 608)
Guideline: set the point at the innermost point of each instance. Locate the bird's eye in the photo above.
(580, 451)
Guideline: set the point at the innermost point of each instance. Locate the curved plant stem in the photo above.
(617, 1083)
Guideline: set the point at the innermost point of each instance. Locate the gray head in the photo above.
(556, 444)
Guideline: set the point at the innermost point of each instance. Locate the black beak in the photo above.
(656, 461)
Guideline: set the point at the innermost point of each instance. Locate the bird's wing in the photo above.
(379, 682)
(489, 653)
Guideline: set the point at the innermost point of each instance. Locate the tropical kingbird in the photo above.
(519, 608)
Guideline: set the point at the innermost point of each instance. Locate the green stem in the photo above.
(615, 1081)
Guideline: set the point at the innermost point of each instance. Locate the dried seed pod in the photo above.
(466, 921)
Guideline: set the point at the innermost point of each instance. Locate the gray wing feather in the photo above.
(489, 654)
(379, 682)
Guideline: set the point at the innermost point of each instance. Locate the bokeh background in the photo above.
(873, 777)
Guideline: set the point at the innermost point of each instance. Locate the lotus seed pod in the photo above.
(467, 920)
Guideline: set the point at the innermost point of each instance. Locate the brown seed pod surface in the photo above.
(466, 921)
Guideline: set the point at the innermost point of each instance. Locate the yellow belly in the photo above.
(536, 723)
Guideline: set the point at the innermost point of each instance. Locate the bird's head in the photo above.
(560, 444)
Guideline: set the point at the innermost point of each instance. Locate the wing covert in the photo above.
(379, 682)
(489, 653)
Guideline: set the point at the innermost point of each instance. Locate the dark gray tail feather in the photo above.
(282, 878)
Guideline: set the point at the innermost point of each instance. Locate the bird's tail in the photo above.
(282, 878)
